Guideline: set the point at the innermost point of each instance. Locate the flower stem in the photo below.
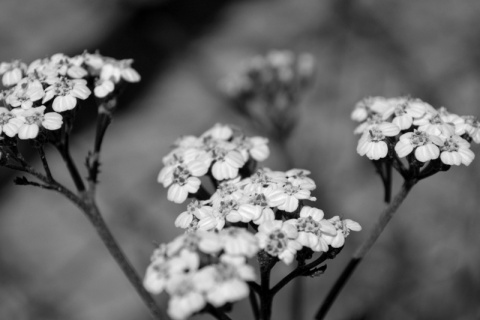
(383, 220)
(64, 149)
(86, 203)
(93, 214)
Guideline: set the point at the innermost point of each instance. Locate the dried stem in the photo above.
(382, 222)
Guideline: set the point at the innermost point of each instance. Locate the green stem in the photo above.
(380, 225)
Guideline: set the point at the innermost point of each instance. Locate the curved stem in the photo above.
(254, 303)
(382, 222)
(86, 203)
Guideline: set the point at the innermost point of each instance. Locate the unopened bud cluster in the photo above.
(268, 88)
(270, 204)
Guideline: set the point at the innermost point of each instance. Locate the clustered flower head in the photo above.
(202, 267)
(268, 88)
(404, 127)
(220, 152)
(249, 210)
(38, 97)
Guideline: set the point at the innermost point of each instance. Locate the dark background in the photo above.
(425, 266)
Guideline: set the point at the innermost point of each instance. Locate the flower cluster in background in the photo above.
(404, 127)
(37, 97)
(269, 204)
(269, 87)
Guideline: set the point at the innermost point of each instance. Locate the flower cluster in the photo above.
(37, 96)
(268, 87)
(405, 127)
(220, 152)
(200, 268)
(249, 210)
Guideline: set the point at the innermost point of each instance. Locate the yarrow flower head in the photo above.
(403, 127)
(202, 267)
(36, 94)
(221, 152)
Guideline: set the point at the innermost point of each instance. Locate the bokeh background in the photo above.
(425, 266)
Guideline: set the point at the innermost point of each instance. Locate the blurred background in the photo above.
(425, 266)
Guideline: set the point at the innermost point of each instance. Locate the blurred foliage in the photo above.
(425, 266)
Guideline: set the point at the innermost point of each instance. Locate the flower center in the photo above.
(450, 145)
(290, 189)
(419, 138)
(180, 175)
(376, 135)
(35, 118)
(63, 87)
(260, 200)
(277, 243)
(307, 224)
(228, 206)
(5, 117)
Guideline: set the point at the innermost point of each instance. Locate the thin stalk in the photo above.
(254, 304)
(64, 149)
(45, 163)
(96, 219)
(357, 257)
(300, 270)
(90, 209)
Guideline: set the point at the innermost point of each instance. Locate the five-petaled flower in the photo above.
(373, 141)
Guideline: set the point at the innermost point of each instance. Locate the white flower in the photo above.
(433, 124)
(12, 72)
(116, 70)
(239, 242)
(263, 179)
(33, 119)
(66, 92)
(370, 107)
(103, 88)
(182, 179)
(343, 230)
(470, 127)
(9, 123)
(424, 144)
(300, 178)
(218, 132)
(227, 190)
(185, 298)
(225, 282)
(288, 197)
(278, 239)
(189, 219)
(456, 151)
(313, 229)
(226, 163)
(259, 200)
(26, 92)
(255, 147)
(406, 111)
(372, 143)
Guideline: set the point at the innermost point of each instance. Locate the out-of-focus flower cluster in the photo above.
(37, 97)
(268, 203)
(202, 267)
(405, 127)
(269, 87)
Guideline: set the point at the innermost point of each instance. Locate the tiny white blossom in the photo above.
(9, 123)
(456, 151)
(313, 229)
(343, 230)
(33, 119)
(424, 144)
(12, 72)
(65, 93)
(372, 143)
(278, 239)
